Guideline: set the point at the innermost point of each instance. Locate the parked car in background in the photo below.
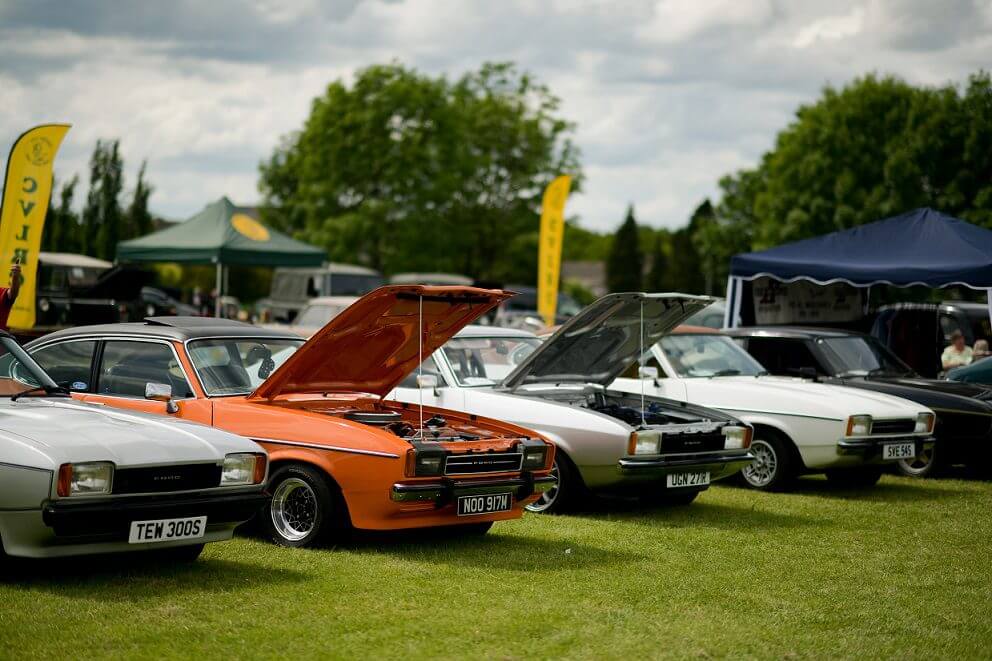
(855, 360)
(156, 303)
(341, 457)
(292, 288)
(919, 332)
(318, 312)
(79, 479)
(609, 442)
(436, 279)
(76, 289)
(521, 310)
(799, 426)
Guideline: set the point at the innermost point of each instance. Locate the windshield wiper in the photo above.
(726, 372)
(48, 390)
(763, 373)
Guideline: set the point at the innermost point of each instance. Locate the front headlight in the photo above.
(736, 438)
(425, 462)
(644, 442)
(243, 468)
(859, 425)
(535, 457)
(924, 423)
(92, 478)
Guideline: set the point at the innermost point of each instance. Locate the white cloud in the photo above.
(668, 96)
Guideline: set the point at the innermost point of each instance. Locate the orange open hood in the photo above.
(372, 345)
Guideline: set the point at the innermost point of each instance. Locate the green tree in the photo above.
(139, 219)
(407, 172)
(62, 230)
(655, 280)
(872, 149)
(625, 264)
(102, 216)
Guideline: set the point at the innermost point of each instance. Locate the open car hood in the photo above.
(373, 344)
(599, 343)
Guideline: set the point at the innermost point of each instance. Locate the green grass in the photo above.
(902, 570)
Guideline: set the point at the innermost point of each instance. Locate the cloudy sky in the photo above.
(668, 95)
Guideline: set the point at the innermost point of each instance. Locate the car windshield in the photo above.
(19, 373)
(708, 355)
(485, 361)
(862, 356)
(238, 366)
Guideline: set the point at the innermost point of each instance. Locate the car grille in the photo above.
(681, 443)
(893, 426)
(157, 479)
(468, 464)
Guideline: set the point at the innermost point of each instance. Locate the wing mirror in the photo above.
(427, 382)
(161, 392)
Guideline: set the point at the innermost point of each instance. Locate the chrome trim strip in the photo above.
(332, 448)
(461, 461)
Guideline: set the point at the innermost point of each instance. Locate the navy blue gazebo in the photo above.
(920, 247)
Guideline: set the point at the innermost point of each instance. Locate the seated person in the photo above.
(957, 353)
(980, 350)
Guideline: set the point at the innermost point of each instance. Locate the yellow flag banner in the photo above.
(26, 191)
(549, 246)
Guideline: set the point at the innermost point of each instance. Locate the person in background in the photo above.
(980, 350)
(958, 353)
(9, 294)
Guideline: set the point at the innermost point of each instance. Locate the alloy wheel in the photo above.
(922, 464)
(294, 509)
(761, 471)
(547, 498)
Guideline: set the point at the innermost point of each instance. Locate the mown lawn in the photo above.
(904, 570)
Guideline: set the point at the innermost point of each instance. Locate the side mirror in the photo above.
(427, 382)
(646, 372)
(161, 392)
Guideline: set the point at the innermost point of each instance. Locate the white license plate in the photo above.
(899, 451)
(674, 480)
(472, 505)
(163, 530)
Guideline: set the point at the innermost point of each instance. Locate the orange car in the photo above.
(340, 457)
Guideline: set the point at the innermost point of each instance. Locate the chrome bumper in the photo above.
(719, 464)
(447, 490)
(871, 448)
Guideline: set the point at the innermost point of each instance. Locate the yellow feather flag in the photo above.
(550, 244)
(27, 189)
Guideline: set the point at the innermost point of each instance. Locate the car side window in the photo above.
(128, 366)
(68, 363)
(783, 356)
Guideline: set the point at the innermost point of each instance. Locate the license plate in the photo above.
(675, 480)
(472, 505)
(899, 451)
(163, 530)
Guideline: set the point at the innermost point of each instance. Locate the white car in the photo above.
(799, 426)
(608, 442)
(81, 478)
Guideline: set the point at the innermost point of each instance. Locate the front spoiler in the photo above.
(446, 490)
(114, 516)
(719, 464)
(871, 448)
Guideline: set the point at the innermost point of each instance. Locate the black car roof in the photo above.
(794, 332)
(171, 328)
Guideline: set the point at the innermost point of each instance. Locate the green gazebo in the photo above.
(224, 235)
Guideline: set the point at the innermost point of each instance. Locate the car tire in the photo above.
(774, 467)
(305, 509)
(855, 478)
(929, 464)
(180, 554)
(569, 491)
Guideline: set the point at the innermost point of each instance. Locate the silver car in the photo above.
(608, 442)
(80, 478)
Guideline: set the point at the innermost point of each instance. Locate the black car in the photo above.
(964, 410)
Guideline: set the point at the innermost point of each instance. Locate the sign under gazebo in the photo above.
(223, 234)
